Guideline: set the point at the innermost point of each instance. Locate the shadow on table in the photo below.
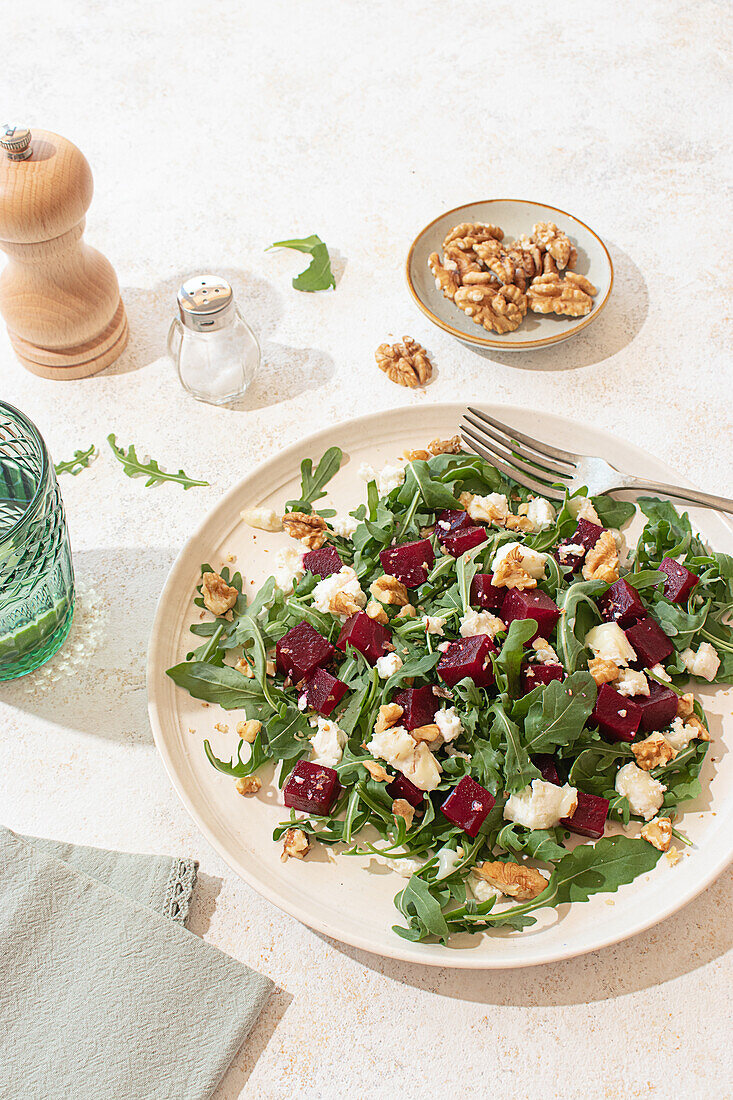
(96, 682)
(652, 958)
(284, 373)
(244, 1062)
(619, 323)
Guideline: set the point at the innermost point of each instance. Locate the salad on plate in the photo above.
(485, 692)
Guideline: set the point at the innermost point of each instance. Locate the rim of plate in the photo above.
(400, 949)
(487, 342)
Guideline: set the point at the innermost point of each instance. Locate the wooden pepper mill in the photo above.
(59, 297)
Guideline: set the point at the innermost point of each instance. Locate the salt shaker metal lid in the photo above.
(205, 303)
(16, 141)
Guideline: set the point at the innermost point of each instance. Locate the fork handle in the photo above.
(691, 496)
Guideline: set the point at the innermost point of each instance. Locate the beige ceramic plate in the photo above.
(349, 898)
(515, 216)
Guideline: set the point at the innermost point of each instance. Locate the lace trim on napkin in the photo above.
(179, 889)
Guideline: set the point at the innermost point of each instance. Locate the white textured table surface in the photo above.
(212, 132)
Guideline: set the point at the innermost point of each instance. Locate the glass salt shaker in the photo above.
(215, 351)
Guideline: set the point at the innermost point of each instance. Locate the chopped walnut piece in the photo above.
(389, 715)
(311, 530)
(402, 808)
(552, 294)
(516, 880)
(416, 456)
(700, 731)
(295, 845)
(345, 603)
(250, 784)
(518, 523)
(406, 612)
(477, 231)
(554, 241)
(653, 751)
(452, 446)
(603, 671)
(248, 730)
(601, 561)
(426, 733)
(245, 668)
(673, 856)
(375, 611)
(407, 363)
(446, 281)
(658, 833)
(389, 590)
(511, 573)
(376, 771)
(686, 705)
(219, 597)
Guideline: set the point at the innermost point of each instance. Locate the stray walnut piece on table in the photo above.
(407, 363)
(495, 282)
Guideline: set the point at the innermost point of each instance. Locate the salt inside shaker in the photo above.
(214, 349)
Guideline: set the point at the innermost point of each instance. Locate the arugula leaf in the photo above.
(578, 612)
(136, 467)
(519, 770)
(512, 652)
(318, 275)
(287, 733)
(594, 769)
(613, 513)
(222, 685)
(412, 668)
(435, 494)
(559, 717)
(313, 482)
(80, 461)
(422, 910)
(538, 843)
(258, 756)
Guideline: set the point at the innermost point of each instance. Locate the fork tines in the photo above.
(534, 464)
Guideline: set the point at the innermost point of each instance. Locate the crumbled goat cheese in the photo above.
(679, 734)
(481, 889)
(448, 860)
(288, 567)
(544, 652)
(541, 805)
(406, 868)
(661, 672)
(609, 642)
(388, 665)
(480, 622)
(388, 478)
(449, 723)
(344, 526)
(705, 662)
(265, 519)
(343, 583)
(493, 508)
(582, 508)
(327, 743)
(532, 561)
(632, 683)
(413, 759)
(434, 624)
(540, 513)
(644, 793)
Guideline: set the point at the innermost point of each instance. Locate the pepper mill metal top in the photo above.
(205, 303)
(16, 141)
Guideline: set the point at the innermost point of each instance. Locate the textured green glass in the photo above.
(36, 573)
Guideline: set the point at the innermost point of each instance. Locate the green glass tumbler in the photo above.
(36, 572)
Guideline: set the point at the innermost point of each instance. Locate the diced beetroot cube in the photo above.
(410, 562)
(531, 604)
(312, 788)
(464, 540)
(367, 635)
(618, 717)
(680, 581)
(467, 805)
(532, 675)
(301, 650)
(547, 768)
(468, 657)
(400, 787)
(621, 604)
(418, 706)
(323, 562)
(570, 555)
(323, 691)
(650, 643)
(590, 816)
(587, 534)
(658, 708)
(450, 522)
(485, 595)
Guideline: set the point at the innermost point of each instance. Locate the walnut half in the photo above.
(295, 845)
(311, 530)
(407, 363)
(516, 880)
(601, 561)
(219, 597)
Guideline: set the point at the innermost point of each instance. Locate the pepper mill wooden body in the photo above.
(59, 297)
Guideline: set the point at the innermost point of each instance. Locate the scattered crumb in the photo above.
(191, 729)
(222, 727)
(673, 856)
(204, 704)
(231, 557)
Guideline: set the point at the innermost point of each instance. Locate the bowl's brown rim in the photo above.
(499, 345)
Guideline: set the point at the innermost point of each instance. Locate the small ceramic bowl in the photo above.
(515, 216)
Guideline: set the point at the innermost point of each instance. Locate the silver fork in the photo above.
(549, 470)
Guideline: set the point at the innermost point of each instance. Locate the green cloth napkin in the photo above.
(104, 995)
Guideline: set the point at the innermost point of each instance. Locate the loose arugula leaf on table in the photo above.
(318, 274)
(136, 467)
(81, 461)
(313, 481)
